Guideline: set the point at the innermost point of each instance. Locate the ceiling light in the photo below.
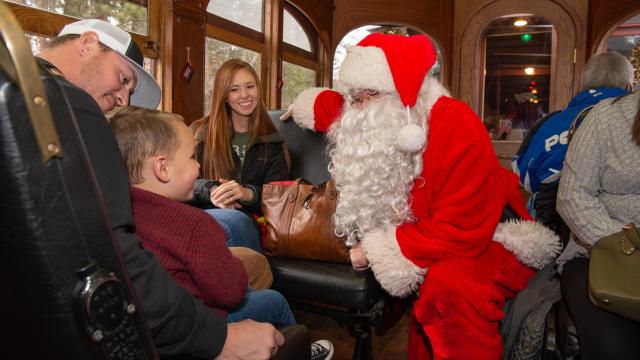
(529, 71)
(520, 22)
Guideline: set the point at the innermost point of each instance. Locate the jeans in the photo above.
(263, 306)
(239, 228)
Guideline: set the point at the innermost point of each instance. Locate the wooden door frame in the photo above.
(567, 54)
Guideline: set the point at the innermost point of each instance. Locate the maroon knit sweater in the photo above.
(191, 246)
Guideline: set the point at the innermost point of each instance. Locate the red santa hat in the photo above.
(388, 63)
(382, 62)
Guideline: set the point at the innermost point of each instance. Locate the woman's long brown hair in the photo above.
(217, 159)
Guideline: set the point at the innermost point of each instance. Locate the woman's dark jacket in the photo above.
(264, 161)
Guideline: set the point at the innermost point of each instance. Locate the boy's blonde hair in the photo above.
(142, 133)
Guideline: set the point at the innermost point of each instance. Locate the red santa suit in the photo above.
(463, 264)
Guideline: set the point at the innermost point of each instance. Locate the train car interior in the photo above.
(85, 281)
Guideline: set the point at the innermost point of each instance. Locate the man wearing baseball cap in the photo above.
(99, 67)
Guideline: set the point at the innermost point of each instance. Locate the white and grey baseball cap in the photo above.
(147, 92)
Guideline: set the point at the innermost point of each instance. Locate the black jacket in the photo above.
(264, 161)
(179, 324)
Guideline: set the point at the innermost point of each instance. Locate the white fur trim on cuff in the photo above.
(531, 242)
(395, 273)
(302, 107)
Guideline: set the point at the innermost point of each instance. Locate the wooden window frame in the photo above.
(269, 44)
(42, 22)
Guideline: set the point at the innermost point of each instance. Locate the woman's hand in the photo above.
(358, 258)
(228, 193)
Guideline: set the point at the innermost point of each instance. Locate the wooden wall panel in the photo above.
(427, 16)
(185, 27)
(603, 15)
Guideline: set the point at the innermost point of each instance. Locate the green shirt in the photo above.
(240, 143)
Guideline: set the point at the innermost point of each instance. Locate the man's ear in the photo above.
(160, 168)
(88, 42)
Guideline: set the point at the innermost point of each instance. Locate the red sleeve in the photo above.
(220, 277)
(459, 203)
(326, 109)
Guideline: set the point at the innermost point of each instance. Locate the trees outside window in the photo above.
(128, 15)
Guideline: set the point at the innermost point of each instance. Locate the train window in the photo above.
(356, 35)
(216, 53)
(517, 74)
(128, 15)
(296, 79)
(293, 33)
(247, 13)
(625, 39)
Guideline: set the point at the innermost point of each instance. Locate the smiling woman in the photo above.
(241, 149)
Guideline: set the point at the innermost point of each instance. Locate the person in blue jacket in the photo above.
(540, 158)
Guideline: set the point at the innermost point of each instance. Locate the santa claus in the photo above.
(421, 196)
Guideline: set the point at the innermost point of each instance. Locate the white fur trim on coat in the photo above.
(366, 67)
(395, 273)
(531, 242)
(302, 107)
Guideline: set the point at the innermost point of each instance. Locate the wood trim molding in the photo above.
(568, 40)
(235, 39)
(299, 60)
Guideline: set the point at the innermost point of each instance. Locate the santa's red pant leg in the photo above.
(460, 304)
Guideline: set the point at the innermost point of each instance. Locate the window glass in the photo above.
(517, 74)
(355, 36)
(37, 42)
(625, 39)
(150, 67)
(296, 79)
(122, 13)
(293, 33)
(216, 53)
(244, 12)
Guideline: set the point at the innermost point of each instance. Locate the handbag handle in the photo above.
(630, 235)
(19, 63)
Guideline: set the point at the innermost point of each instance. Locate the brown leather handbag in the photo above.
(298, 219)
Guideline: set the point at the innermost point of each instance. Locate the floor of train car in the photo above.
(391, 346)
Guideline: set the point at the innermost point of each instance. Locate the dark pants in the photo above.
(602, 335)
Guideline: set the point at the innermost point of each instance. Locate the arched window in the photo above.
(300, 55)
(242, 29)
(516, 74)
(356, 35)
(625, 39)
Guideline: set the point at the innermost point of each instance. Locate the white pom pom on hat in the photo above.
(411, 138)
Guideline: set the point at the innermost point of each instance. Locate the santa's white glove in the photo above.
(287, 115)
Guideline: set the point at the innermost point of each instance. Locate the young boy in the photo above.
(158, 150)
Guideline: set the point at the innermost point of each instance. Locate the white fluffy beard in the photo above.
(373, 176)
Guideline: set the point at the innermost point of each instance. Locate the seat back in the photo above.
(66, 294)
(309, 158)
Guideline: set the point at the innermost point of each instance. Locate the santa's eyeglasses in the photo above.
(358, 97)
